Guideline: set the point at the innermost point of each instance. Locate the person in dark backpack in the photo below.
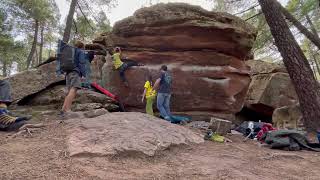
(122, 66)
(74, 73)
(8, 121)
(163, 85)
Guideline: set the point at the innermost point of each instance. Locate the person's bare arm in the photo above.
(157, 84)
(144, 94)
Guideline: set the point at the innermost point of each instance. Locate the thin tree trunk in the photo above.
(49, 54)
(35, 58)
(10, 66)
(306, 86)
(67, 30)
(41, 44)
(34, 43)
(313, 69)
(314, 39)
(313, 29)
(317, 65)
(4, 68)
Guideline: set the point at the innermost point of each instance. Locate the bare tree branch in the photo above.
(254, 16)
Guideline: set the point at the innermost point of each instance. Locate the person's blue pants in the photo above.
(126, 65)
(5, 91)
(163, 104)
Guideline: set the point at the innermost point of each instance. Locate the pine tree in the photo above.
(306, 86)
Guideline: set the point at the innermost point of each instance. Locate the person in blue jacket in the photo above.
(82, 60)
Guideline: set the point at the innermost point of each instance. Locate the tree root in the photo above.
(28, 128)
(227, 140)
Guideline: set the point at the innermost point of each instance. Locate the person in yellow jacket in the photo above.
(150, 94)
(122, 66)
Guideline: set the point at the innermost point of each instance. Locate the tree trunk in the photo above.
(41, 44)
(67, 30)
(317, 65)
(9, 66)
(49, 53)
(35, 58)
(314, 39)
(313, 29)
(34, 43)
(306, 86)
(314, 70)
(4, 68)
(315, 32)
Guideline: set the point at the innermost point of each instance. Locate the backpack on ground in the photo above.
(66, 57)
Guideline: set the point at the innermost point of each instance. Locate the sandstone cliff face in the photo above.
(270, 87)
(205, 52)
(177, 26)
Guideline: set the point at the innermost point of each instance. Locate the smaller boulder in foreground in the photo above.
(125, 133)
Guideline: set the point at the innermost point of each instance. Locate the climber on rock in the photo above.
(122, 66)
(8, 121)
(163, 85)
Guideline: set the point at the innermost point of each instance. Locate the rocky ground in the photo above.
(44, 155)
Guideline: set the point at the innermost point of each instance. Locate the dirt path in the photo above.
(44, 156)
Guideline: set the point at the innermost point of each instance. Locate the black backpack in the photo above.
(66, 57)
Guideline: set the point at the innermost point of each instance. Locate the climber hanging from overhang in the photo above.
(122, 66)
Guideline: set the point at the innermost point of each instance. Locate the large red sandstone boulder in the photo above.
(182, 27)
(205, 52)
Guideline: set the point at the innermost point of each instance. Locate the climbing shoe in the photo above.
(21, 117)
(7, 119)
(69, 115)
(8, 122)
(62, 115)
